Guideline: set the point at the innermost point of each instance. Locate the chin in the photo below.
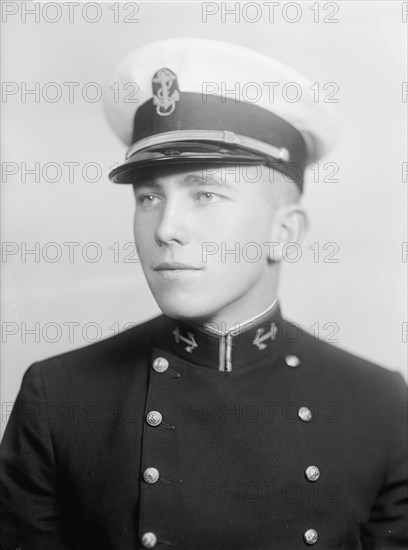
(185, 307)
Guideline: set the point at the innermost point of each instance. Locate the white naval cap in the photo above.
(202, 100)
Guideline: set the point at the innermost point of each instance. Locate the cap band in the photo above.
(195, 111)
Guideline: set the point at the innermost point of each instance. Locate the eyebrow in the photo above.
(189, 179)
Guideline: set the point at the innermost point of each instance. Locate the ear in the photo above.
(290, 225)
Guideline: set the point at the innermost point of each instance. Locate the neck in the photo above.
(241, 311)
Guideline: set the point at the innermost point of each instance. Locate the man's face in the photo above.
(200, 234)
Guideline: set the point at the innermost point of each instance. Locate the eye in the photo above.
(147, 199)
(207, 198)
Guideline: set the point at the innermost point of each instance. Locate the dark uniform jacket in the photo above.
(179, 438)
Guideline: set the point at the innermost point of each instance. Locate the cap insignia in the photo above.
(165, 92)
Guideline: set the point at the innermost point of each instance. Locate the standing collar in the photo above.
(238, 328)
(208, 345)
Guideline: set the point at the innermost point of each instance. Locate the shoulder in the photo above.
(330, 365)
(96, 363)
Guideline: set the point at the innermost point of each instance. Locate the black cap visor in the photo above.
(202, 154)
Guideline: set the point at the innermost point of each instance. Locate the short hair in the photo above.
(280, 190)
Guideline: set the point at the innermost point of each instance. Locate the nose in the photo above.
(171, 227)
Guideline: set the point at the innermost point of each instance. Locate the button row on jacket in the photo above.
(149, 540)
(312, 473)
(151, 475)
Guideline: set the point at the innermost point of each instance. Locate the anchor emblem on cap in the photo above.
(190, 341)
(165, 92)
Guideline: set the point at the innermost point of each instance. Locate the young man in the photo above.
(217, 425)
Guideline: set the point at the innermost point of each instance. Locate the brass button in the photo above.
(292, 360)
(151, 475)
(305, 414)
(160, 364)
(312, 473)
(310, 536)
(154, 418)
(149, 540)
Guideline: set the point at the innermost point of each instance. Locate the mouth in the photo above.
(175, 266)
(175, 269)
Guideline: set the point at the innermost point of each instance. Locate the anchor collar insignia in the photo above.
(208, 345)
